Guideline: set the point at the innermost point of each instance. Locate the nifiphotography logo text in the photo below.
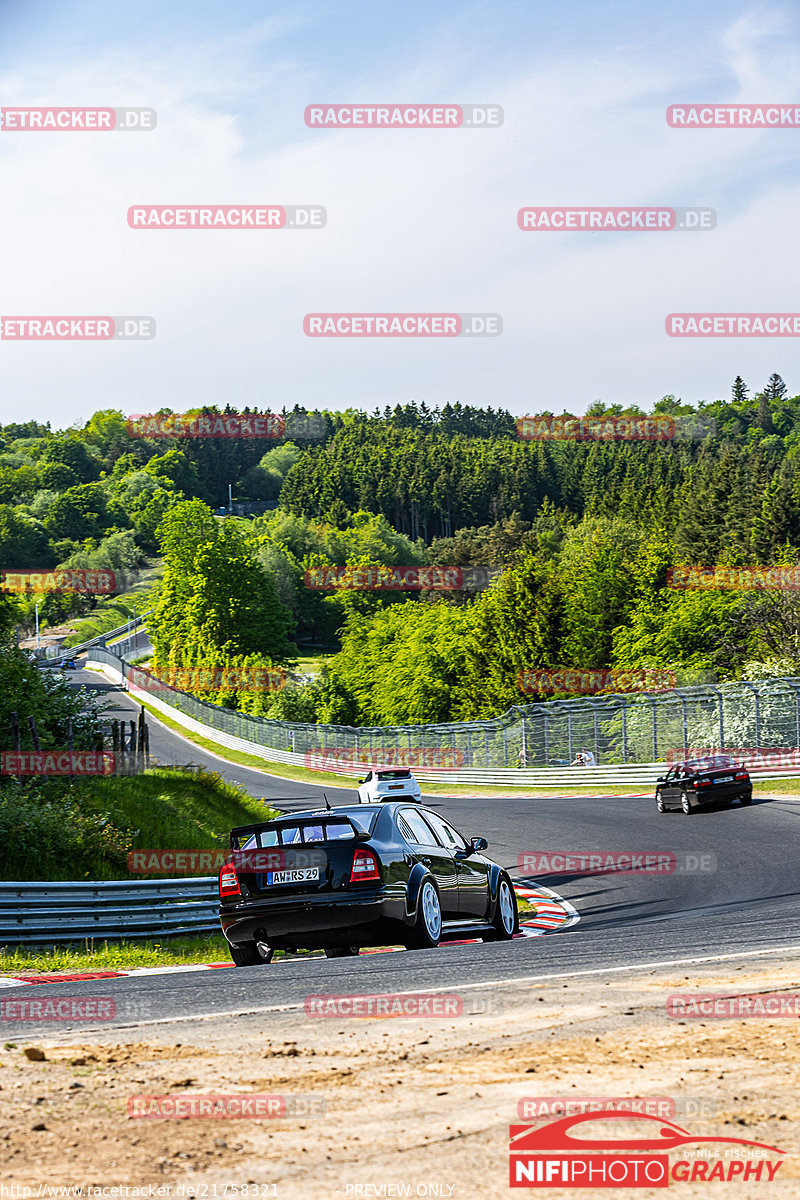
(572, 1152)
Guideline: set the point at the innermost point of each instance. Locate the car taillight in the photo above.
(228, 882)
(742, 775)
(365, 867)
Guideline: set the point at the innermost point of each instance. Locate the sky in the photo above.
(418, 220)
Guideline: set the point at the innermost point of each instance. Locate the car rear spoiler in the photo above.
(361, 834)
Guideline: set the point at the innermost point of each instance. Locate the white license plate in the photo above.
(306, 875)
(725, 779)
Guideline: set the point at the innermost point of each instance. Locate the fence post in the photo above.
(655, 729)
(624, 729)
(37, 745)
(685, 726)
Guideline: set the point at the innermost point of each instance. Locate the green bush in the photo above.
(57, 830)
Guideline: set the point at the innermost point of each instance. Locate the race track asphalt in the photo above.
(736, 893)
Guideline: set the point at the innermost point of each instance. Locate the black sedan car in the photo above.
(700, 782)
(359, 875)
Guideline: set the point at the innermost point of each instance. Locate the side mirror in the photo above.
(661, 779)
(477, 844)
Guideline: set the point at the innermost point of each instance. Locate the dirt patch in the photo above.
(417, 1103)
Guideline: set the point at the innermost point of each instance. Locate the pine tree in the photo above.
(776, 388)
(739, 390)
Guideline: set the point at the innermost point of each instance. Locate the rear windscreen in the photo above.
(394, 774)
(325, 831)
(308, 832)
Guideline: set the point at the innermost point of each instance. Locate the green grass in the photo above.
(115, 956)
(776, 787)
(85, 831)
(312, 664)
(298, 774)
(182, 808)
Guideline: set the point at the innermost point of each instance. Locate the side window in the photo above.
(447, 834)
(420, 831)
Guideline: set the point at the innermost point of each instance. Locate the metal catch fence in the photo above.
(630, 728)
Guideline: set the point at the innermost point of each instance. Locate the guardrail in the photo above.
(46, 913)
(50, 652)
(206, 719)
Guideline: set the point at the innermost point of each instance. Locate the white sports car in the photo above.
(394, 783)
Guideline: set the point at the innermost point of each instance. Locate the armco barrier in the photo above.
(100, 639)
(637, 775)
(46, 913)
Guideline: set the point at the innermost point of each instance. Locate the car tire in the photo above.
(428, 925)
(745, 799)
(506, 917)
(245, 954)
(660, 806)
(686, 807)
(342, 951)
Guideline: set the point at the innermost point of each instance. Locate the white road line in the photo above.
(462, 987)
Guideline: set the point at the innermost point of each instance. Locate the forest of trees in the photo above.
(576, 536)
